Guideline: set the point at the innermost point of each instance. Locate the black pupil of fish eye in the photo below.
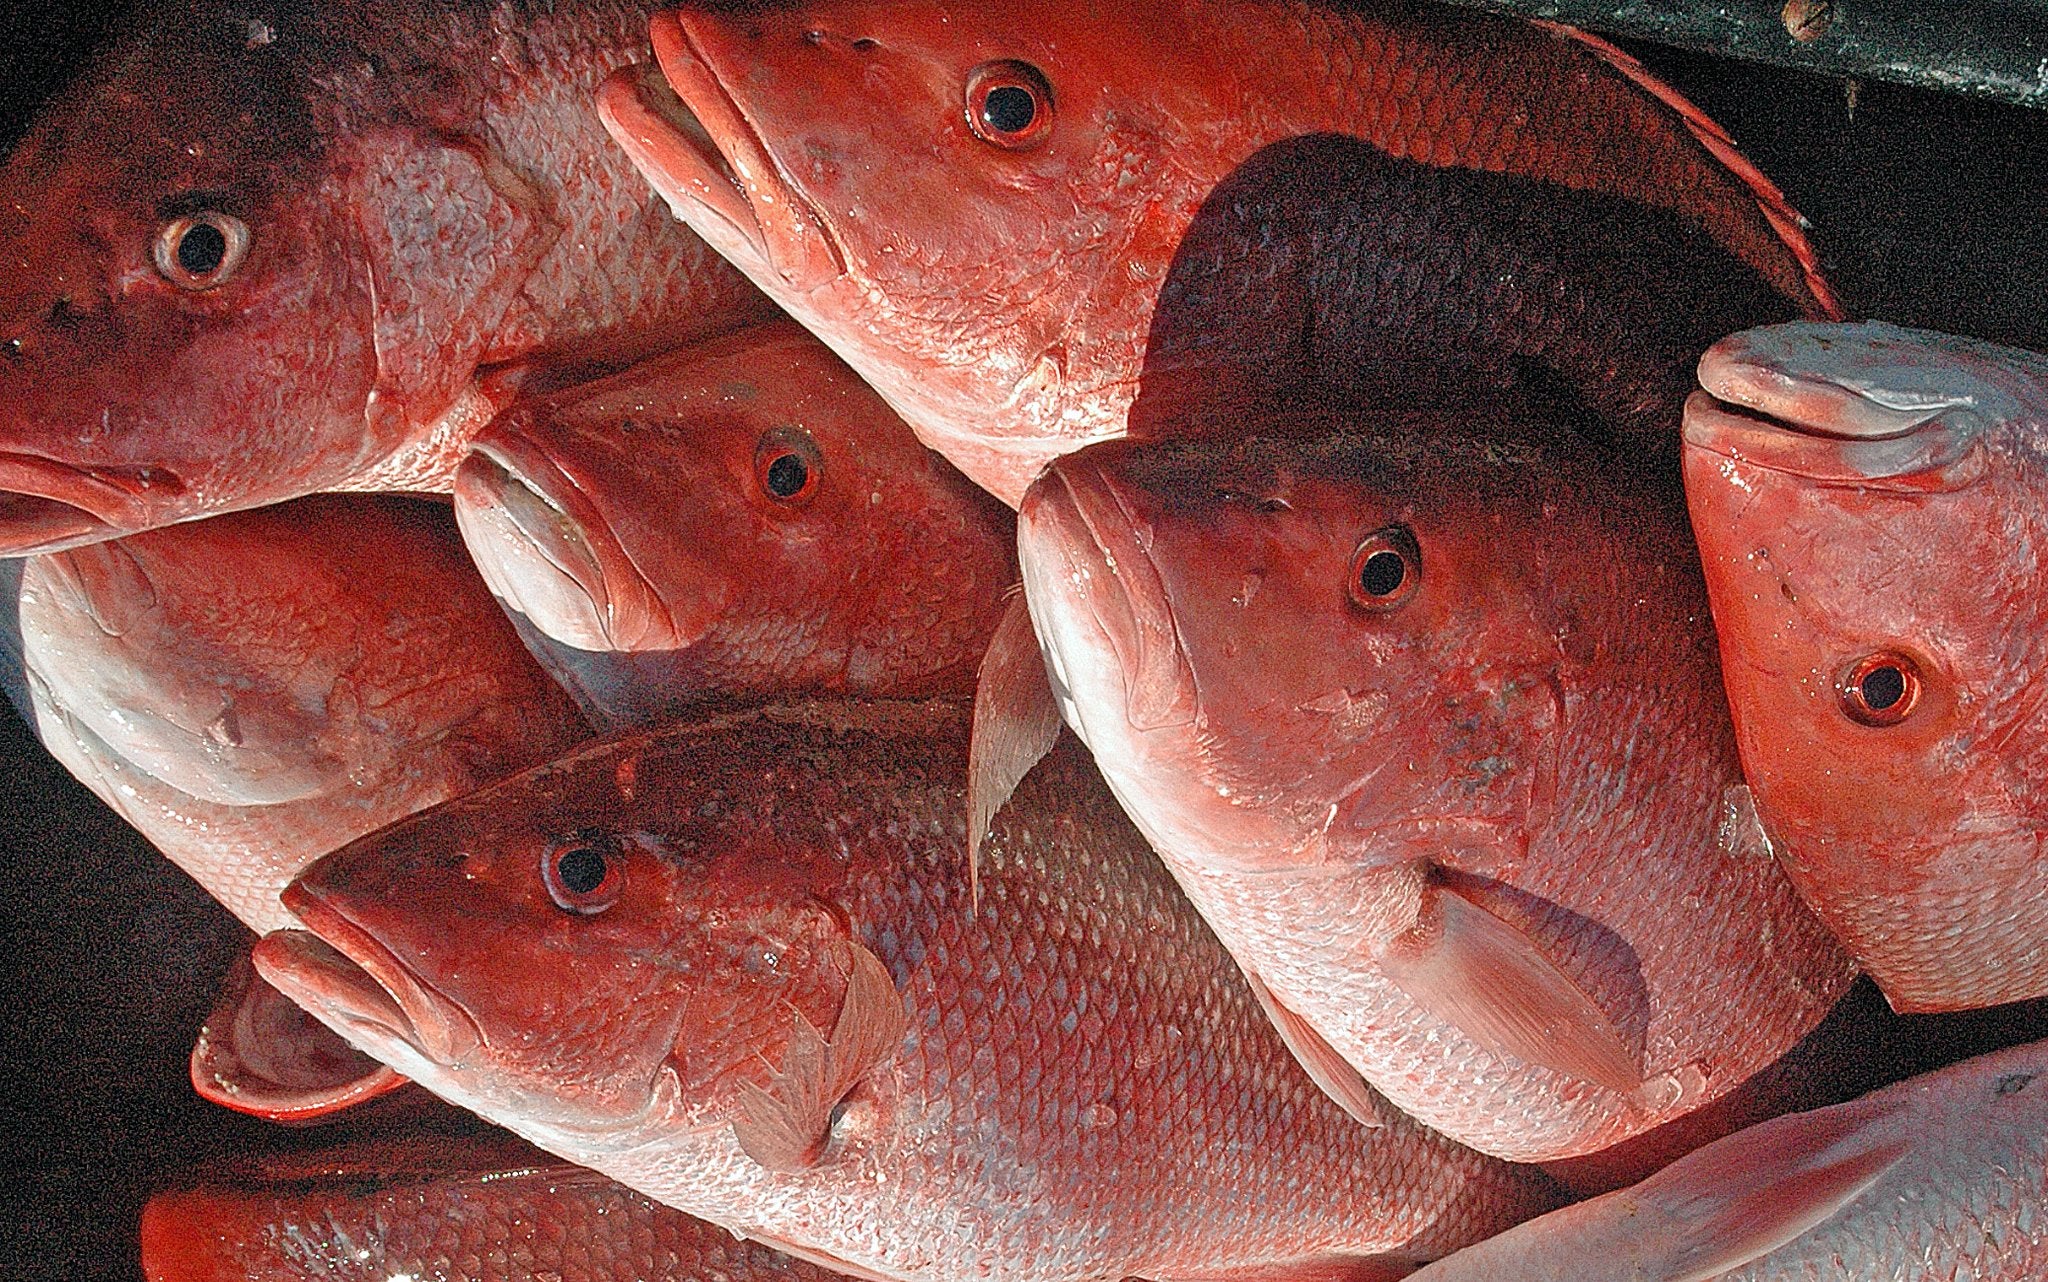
(202, 249)
(787, 476)
(1883, 687)
(1009, 109)
(1383, 573)
(581, 870)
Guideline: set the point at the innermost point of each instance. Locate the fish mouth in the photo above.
(354, 984)
(1084, 552)
(1848, 404)
(47, 506)
(689, 137)
(258, 1054)
(545, 547)
(1920, 459)
(529, 529)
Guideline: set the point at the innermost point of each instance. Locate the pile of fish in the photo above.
(1028, 641)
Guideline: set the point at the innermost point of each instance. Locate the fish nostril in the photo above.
(62, 314)
(866, 44)
(11, 349)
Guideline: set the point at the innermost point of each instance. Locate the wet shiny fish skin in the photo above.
(1427, 824)
(1869, 492)
(635, 525)
(1939, 1178)
(1087, 1090)
(470, 1209)
(998, 291)
(255, 690)
(396, 201)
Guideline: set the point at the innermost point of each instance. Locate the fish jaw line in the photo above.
(1815, 405)
(673, 152)
(728, 169)
(367, 987)
(1918, 460)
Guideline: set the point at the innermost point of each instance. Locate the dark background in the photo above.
(1927, 210)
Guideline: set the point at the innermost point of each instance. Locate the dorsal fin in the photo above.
(1786, 221)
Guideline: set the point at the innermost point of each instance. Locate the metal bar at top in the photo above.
(1989, 48)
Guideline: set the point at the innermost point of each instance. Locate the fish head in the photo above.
(749, 510)
(333, 647)
(601, 944)
(171, 289)
(1309, 641)
(1873, 547)
(895, 174)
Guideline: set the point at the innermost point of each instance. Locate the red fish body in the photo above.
(255, 690)
(253, 255)
(483, 1209)
(1939, 1177)
(769, 999)
(739, 519)
(1426, 721)
(976, 204)
(1869, 504)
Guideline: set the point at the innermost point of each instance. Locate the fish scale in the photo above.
(1007, 1135)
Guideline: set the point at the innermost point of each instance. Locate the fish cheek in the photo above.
(760, 964)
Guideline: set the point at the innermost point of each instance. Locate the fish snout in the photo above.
(348, 970)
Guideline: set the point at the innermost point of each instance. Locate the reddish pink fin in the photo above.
(1325, 1067)
(786, 1125)
(1329, 1268)
(1777, 210)
(1745, 1196)
(259, 1053)
(1016, 722)
(810, 1254)
(1477, 973)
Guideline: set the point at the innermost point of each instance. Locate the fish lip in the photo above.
(49, 506)
(502, 492)
(1749, 370)
(1920, 459)
(725, 166)
(351, 974)
(1126, 596)
(673, 150)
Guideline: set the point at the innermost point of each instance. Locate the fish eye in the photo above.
(1880, 689)
(584, 874)
(1386, 569)
(1009, 104)
(788, 465)
(200, 251)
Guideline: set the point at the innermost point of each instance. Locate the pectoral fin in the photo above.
(1327, 1268)
(786, 1125)
(258, 1053)
(1493, 983)
(1016, 722)
(1745, 1196)
(1325, 1067)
